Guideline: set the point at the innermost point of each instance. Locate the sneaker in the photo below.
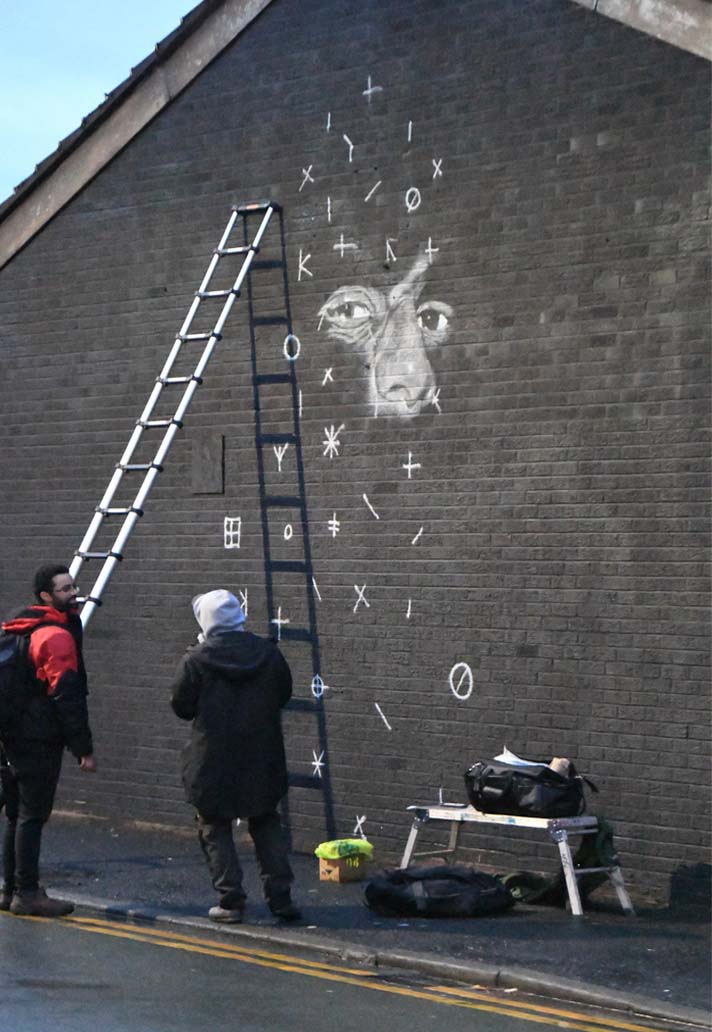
(286, 911)
(38, 904)
(225, 916)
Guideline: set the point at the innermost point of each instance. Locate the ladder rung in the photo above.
(286, 566)
(242, 249)
(139, 467)
(100, 555)
(273, 378)
(197, 336)
(152, 424)
(297, 634)
(178, 379)
(267, 263)
(121, 511)
(304, 705)
(270, 320)
(305, 781)
(276, 438)
(202, 294)
(250, 209)
(282, 501)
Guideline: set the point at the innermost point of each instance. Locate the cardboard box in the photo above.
(345, 869)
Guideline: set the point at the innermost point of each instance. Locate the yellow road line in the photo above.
(226, 947)
(190, 944)
(540, 1008)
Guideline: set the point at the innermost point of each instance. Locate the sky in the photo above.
(58, 58)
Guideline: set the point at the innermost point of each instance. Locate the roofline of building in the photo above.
(686, 24)
(128, 109)
(183, 55)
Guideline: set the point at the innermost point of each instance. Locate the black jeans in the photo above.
(270, 842)
(28, 804)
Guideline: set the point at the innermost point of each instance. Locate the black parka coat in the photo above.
(233, 687)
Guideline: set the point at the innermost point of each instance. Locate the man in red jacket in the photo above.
(52, 714)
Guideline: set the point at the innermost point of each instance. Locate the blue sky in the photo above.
(57, 60)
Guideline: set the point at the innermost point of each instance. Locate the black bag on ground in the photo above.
(525, 791)
(438, 891)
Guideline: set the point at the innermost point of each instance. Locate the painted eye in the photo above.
(347, 312)
(434, 319)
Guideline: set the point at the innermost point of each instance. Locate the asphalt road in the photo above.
(81, 974)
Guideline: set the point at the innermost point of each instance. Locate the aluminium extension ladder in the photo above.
(129, 515)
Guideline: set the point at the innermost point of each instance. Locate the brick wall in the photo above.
(557, 459)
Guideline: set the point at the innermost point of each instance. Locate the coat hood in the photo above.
(235, 655)
(218, 612)
(29, 619)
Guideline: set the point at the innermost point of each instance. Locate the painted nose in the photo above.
(403, 371)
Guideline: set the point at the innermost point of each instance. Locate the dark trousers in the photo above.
(270, 842)
(28, 804)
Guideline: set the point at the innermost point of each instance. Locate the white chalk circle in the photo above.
(317, 686)
(292, 346)
(412, 198)
(465, 679)
(288, 532)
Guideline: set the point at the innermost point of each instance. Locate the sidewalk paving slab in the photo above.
(656, 963)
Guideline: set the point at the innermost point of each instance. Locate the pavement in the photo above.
(655, 964)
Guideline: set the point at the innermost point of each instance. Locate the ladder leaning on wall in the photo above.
(183, 351)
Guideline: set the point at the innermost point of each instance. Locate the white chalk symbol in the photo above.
(410, 465)
(306, 172)
(288, 531)
(372, 191)
(437, 165)
(334, 525)
(331, 441)
(365, 498)
(350, 145)
(358, 827)
(292, 347)
(316, 589)
(408, 612)
(382, 716)
(279, 451)
(430, 250)
(417, 536)
(412, 199)
(279, 621)
(461, 681)
(232, 529)
(390, 253)
(370, 90)
(435, 399)
(318, 762)
(243, 601)
(328, 377)
(318, 687)
(360, 591)
(303, 266)
(344, 246)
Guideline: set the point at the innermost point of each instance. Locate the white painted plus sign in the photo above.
(410, 465)
(280, 622)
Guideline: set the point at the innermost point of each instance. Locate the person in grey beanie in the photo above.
(233, 685)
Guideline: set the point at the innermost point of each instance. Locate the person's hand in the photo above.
(88, 763)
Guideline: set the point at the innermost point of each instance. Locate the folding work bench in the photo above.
(558, 829)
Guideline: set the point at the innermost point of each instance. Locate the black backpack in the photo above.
(439, 891)
(14, 679)
(525, 791)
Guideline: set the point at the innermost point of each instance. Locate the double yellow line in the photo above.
(469, 999)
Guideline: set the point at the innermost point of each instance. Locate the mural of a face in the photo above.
(395, 333)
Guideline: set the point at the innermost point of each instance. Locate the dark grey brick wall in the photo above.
(562, 479)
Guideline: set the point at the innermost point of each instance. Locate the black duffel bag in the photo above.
(445, 890)
(525, 791)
